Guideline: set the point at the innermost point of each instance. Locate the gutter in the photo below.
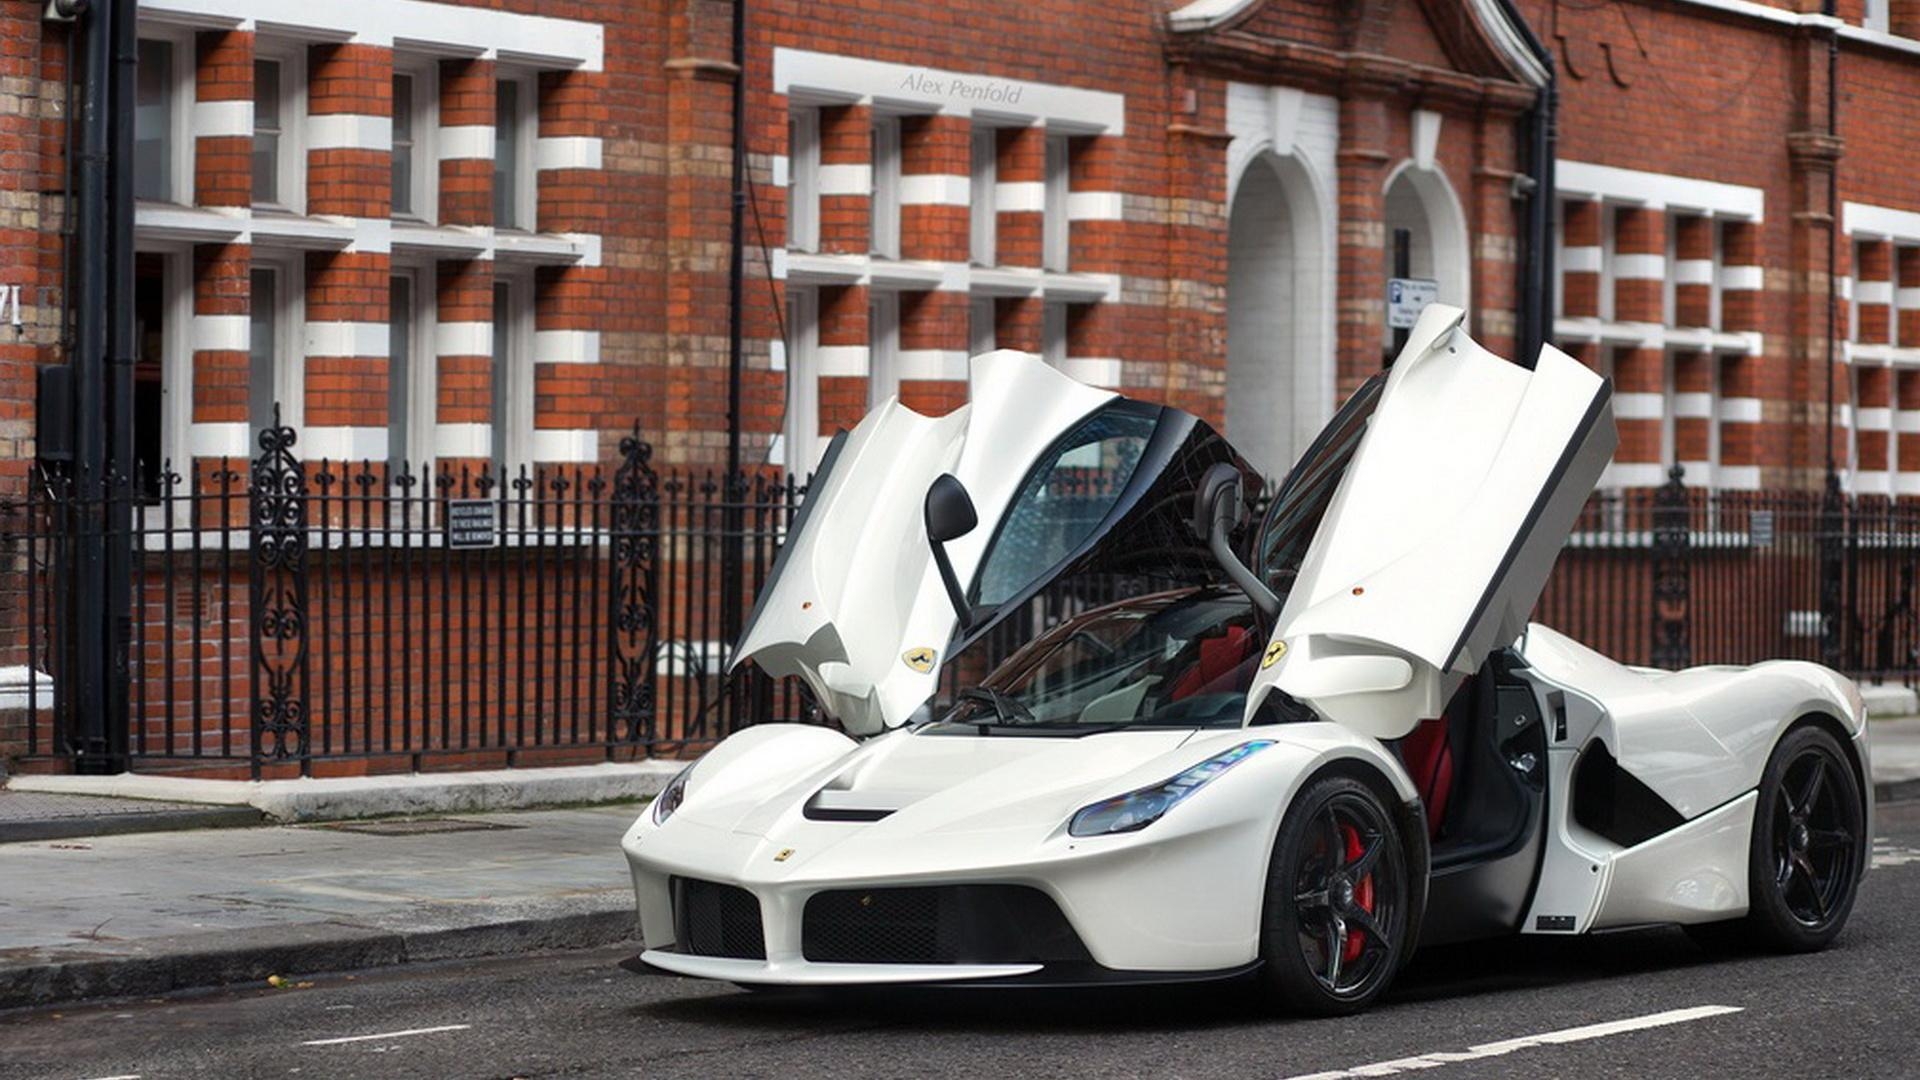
(1536, 268)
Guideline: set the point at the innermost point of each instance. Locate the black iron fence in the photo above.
(295, 617)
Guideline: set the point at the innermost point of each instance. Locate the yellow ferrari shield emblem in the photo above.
(785, 854)
(919, 659)
(1274, 652)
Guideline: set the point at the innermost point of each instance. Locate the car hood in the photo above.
(914, 782)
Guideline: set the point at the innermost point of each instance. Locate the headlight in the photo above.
(1139, 809)
(671, 796)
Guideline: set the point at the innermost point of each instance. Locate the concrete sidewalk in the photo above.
(151, 913)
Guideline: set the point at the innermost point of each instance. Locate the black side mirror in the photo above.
(950, 515)
(1218, 509)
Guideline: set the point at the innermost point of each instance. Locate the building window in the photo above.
(1053, 239)
(402, 435)
(279, 99)
(884, 197)
(512, 377)
(803, 180)
(513, 138)
(883, 347)
(981, 333)
(1053, 333)
(149, 365)
(415, 172)
(153, 122)
(982, 216)
(274, 370)
(800, 434)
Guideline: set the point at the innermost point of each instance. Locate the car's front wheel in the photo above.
(1333, 931)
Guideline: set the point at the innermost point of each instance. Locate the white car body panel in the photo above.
(1444, 527)
(858, 586)
(1384, 620)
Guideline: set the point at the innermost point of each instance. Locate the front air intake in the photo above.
(711, 919)
(943, 924)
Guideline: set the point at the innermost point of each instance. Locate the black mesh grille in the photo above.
(945, 924)
(710, 919)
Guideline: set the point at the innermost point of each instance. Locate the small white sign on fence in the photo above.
(1406, 298)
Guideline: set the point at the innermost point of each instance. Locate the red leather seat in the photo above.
(1219, 656)
(1428, 755)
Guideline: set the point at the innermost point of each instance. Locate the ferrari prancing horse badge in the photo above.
(1274, 652)
(920, 659)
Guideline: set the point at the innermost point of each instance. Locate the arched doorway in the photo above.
(1278, 369)
(1421, 209)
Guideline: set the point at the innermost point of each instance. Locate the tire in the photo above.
(1806, 851)
(1353, 908)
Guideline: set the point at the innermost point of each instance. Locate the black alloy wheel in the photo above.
(1334, 929)
(1808, 845)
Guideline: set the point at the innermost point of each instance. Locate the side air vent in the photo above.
(1611, 801)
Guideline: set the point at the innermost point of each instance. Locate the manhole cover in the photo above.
(414, 826)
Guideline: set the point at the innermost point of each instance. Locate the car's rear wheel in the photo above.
(1805, 853)
(1803, 868)
(1333, 930)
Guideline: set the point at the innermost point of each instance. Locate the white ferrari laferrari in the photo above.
(1294, 750)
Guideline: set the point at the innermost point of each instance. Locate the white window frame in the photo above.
(425, 73)
(291, 162)
(883, 196)
(801, 428)
(526, 203)
(289, 337)
(423, 365)
(1853, 287)
(517, 407)
(803, 178)
(176, 374)
(1715, 320)
(1669, 435)
(983, 176)
(181, 138)
(983, 316)
(883, 346)
(1558, 227)
(1877, 16)
(1053, 332)
(1055, 240)
(1605, 299)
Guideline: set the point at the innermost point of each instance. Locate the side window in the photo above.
(1064, 499)
(1303, 497)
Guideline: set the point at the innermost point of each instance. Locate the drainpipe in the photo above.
(1536, 262)
(85, 709)
(734, 560)
(125, 32)
(1829, 9)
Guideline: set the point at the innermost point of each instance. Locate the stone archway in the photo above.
(1278, 375)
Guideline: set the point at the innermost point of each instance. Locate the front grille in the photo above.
(711, 919)
(941, 924)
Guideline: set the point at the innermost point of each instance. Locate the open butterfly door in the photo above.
(1441, 532)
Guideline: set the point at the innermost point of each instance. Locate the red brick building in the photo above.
(448, 232)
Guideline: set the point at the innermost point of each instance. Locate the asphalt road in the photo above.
(1852, 1011)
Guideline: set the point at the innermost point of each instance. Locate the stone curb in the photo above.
(1896, 791)
(339, 798)
(39, 977)
(63, 828)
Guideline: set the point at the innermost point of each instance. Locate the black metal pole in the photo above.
(732, 485)
(121, 467)
(1536, 269)
(87, 583)
(1402, 268)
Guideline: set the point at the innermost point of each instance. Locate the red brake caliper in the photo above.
(1362, 895)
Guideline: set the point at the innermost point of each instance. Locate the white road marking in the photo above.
(386, 1035)
(1886, 853)
(1508, 1046)
(122, 1076)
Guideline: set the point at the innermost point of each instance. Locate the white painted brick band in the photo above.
(1580, 260)
(221, 333)
(349, 131)
(1692, 406)
(1020, 197)
(1906, 298)
(846, 180)
(1740, 410)
(463, 142)
(463, 339)
(1100, 371)
(567, 152)
(1906, 421)
(1095, 206)
(1693, 272)
(565, 445)
(1906, 483)
(948, 364)
(934, 189)
(218, 440)
(566, 346)
(1737, 478)
(222, 119)
(840, 360)
(1873, 418)
(1635, 267)
(345, 339)
(463, 440)
(1873, 292)
(1742, 278)
(1639, 406)
(1634, 474)
(343, 443)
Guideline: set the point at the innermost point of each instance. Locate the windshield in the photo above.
(1175, 660)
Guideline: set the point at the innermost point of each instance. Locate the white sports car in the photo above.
(1291, 753)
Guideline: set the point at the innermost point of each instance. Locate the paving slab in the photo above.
(41, 815)
(154, 912)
